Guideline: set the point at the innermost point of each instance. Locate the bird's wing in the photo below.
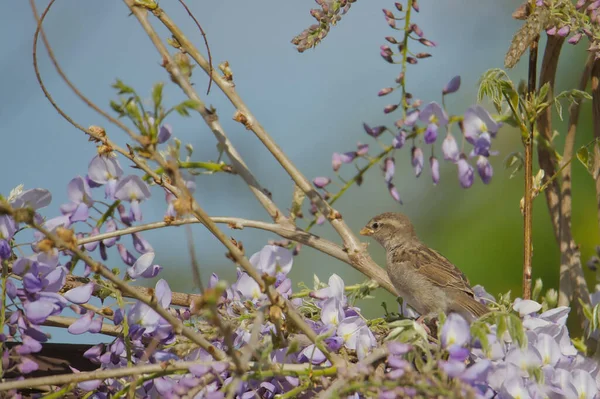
(435, 267)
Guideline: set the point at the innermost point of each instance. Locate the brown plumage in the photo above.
(425, 279)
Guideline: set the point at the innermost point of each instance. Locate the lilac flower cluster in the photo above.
(423, 125)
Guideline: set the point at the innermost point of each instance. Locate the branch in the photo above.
(596, 119)
(562, 231)
(528, 197)
(162, 369)
(274, 297)
(570, 260)
(358, 255)
(290, 233)
(65, 322)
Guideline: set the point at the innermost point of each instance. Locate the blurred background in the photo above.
(312, 104)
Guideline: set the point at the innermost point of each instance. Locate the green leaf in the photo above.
(501, 325)
(543, 93)
(515, 328)
(587, 310)
(584, 156)
(122, 87)
(514, 159)
(595, 319)
(117, 108)
(537, 289)
(157, 92)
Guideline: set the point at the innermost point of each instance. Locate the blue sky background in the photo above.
(312, 104)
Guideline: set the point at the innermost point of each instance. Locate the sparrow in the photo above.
(424, 278)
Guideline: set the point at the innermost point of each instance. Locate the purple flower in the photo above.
(38, 311)
(81, 200)
(394, 192)
(8, 227)
(105, 170)
(272, 259)
(450, 148)
(334, 289)
(417, 160)
(321, 182)
(477, 121)
(247, 287)
(36, 198)
(465, 172)
(127, 257)
(109, 227)
(27, 365)
(144, 316)
(362, 149)
(332, 312)
(485, 170)
(435, 116)
(399, 140)
(134, 190)
(452, 86)
(482, 145)
(356, 335)
(143, 267)
(164, 133)
(575, 38)
(337, 159)
(430, 133)
(564, 31)
(389, 168)
(375, 131)
(81, 294)
(526, 306)
(82, 324)
(435, 169)
(5, 250)
(141, 244)
(455, 331)
(411, 118)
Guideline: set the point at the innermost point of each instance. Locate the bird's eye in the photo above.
(375, 225)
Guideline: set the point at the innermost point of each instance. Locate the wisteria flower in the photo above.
(81, 200)
(477, 121)
(272, 259)
(36, 198)
(450, 148)
(134, 190)
(434, 115)
(105, 171)
(417, 160)
(465, 172)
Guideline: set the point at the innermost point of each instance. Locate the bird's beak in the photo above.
(365, 231)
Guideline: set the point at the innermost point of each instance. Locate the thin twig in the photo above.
(210, 63)
(162, 369)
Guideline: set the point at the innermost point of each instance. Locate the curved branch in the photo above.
(290, 233)
(357, 253)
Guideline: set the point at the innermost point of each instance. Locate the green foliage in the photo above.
(497, 86)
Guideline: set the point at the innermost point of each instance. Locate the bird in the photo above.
(423, 277)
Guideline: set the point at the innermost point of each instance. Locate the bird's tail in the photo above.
(467, 305)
